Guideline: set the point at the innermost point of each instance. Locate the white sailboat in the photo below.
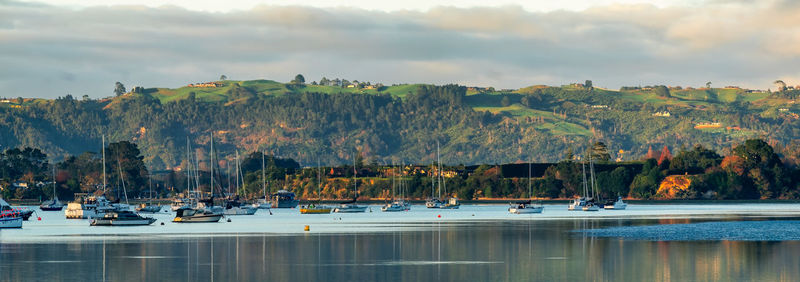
(233, 206)
(351, 206)
(397, 204)
(204, 210)
(263, 203)
(52, 204)
(526, 207)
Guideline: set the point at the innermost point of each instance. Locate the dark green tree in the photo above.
(119, 88)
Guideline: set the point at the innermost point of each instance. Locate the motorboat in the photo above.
(190, 215)
(284, 199)
(315, 209)
(148, 208)
(350, 207)
(122, 218)
(90, 207)
(615, 205)
(577, 204)
(525, 207)
(178, 203)
(590, 207)
(9, 217)
(396, 206)
(234, 207)
(262, 204)
(434, 203)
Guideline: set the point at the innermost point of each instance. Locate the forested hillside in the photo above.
(312, 122)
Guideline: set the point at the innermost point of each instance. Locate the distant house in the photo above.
(370, 87)
(732, 87)
(205, 85)
(600, 106)
(352, 85)
(662, 114)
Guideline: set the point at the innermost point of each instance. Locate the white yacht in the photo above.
(616, 205)
(525, 207)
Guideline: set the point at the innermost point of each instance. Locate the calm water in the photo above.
(476, 243)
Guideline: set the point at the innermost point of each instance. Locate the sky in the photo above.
(52, 48)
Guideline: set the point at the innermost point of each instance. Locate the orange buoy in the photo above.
(307, 228)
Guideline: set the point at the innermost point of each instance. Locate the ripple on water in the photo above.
(770, 230)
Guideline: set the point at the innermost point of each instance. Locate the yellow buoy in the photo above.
(307, 228)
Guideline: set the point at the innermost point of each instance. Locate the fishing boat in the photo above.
(452, 203)
(9, 217)
(53, 204)
(25, 213)
(351, 206)
(615, 205)
(122, 218)
(526, 207)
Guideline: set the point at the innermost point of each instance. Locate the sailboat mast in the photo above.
(211, 189)
(438, 170)
(529, 179)
(188, 163)
(263, 177)
(355, 172)
(591, 175)
(583, 169)
(104, 164)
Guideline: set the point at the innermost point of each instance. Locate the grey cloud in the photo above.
(48, 51)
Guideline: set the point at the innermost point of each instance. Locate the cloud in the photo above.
(49, 51)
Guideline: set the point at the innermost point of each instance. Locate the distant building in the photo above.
(205, 85)
(600, 106)
(662, 114)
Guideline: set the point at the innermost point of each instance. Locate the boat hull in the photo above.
(150, 209)
(527, 210)
(51, 208)
(591, 208)
(315, 210)
(11, 222)
(240, 211)
(198, 218)
(350, 209)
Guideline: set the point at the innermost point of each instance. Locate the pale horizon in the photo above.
(54, 48)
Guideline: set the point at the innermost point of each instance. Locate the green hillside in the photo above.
(327, 123)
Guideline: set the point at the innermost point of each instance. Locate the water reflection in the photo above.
(478, 251)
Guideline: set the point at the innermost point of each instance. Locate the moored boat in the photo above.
(615, 205)
(148, 208)
(525, 207)
(284, 199)
(350, 207)
(9, 217)
(122, 218)
(315, 209)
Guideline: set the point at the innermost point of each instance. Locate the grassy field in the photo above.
(270, 88)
